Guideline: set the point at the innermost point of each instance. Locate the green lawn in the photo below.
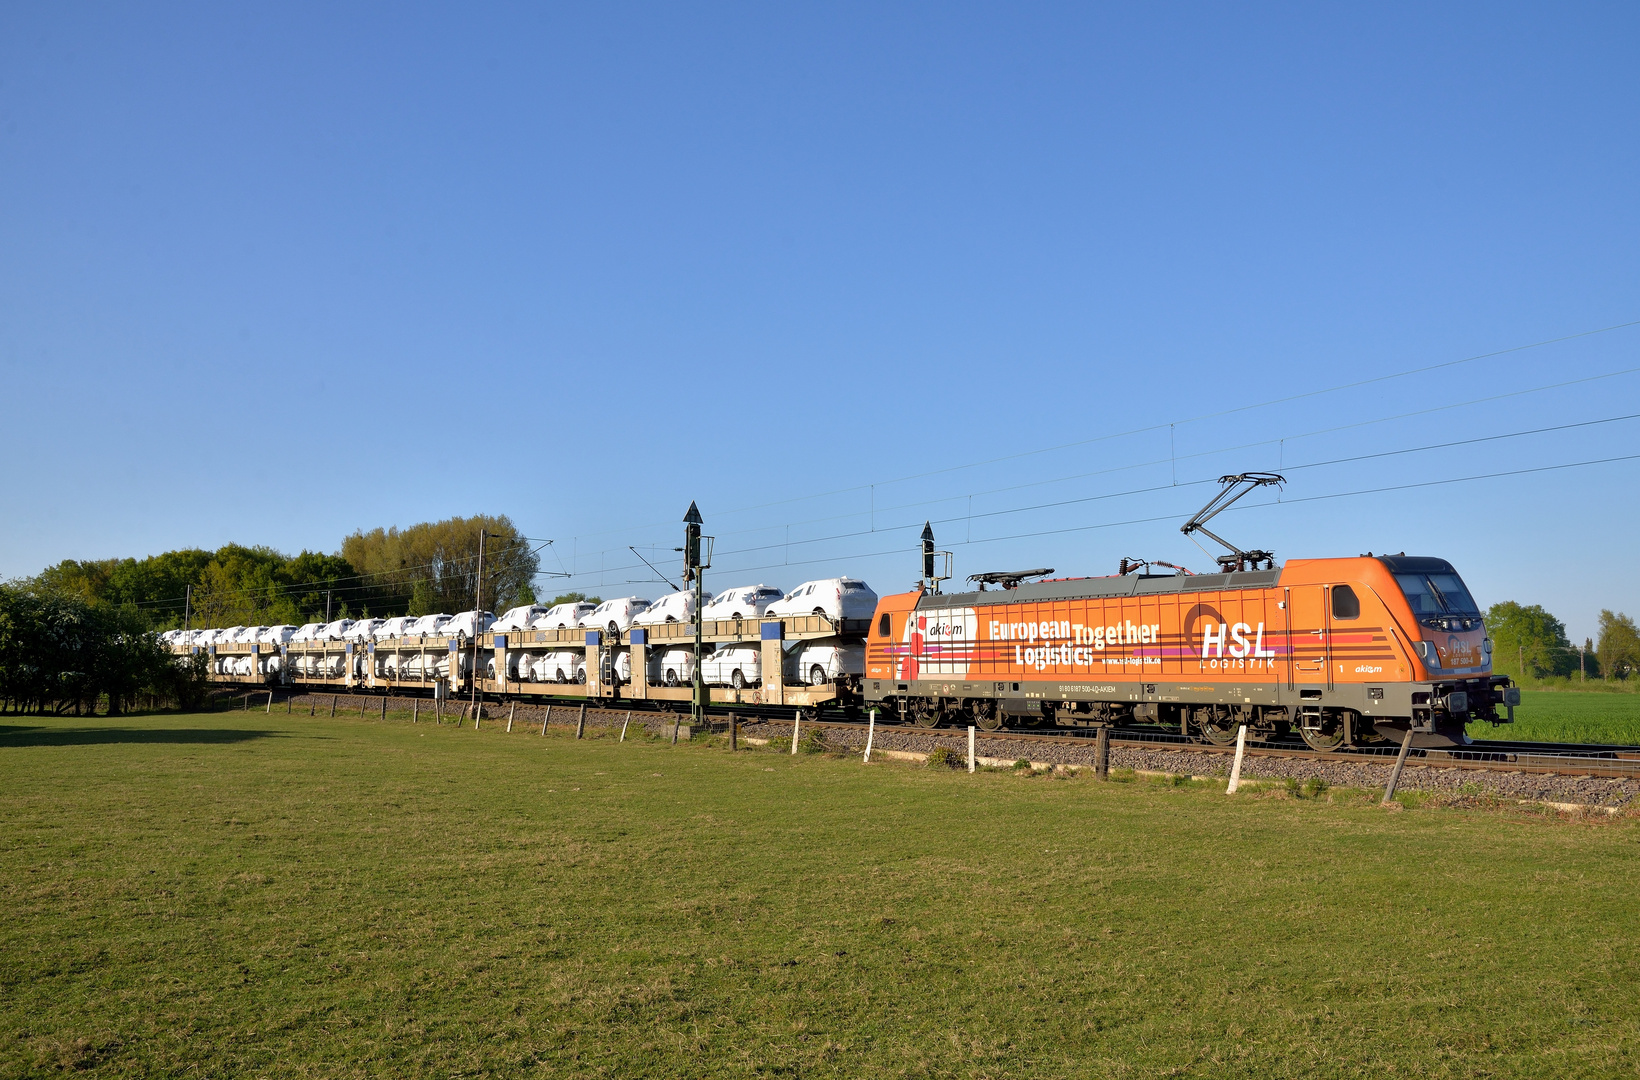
(248, 895)
(1570, 716)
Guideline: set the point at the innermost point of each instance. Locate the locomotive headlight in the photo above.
(1486, 646)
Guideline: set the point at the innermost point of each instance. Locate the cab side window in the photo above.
(885, 625)
(1345, 604)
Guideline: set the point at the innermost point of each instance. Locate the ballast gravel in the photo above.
(1585, 790)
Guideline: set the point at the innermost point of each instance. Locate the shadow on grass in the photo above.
(27, 735)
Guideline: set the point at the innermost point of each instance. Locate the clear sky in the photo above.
(270, 274)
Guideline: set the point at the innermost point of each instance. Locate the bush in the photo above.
(943, 757)
(1315, 787)
(812, 742)
(1022, 764)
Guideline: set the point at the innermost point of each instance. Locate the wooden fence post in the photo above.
(415, 710)
(1101, 755)
(333, 698)
(1395, 773)
(384, 706)
(581, 723)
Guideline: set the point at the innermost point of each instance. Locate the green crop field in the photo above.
(1570, 716)
(238, 894)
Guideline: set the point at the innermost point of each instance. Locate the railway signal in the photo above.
(693, 565)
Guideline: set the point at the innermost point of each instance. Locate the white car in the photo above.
(563, 666)
(396, 627)
(519, 618)
(563, 616)
(469, 624)
(614, 615)
(838, 598)
(363, 630)
(277, 635)
(306, 632)
(672, 667)
(733, 665)
(824, 660)
(428, 626)
(742, 602)
(333, 631)
(673, 607)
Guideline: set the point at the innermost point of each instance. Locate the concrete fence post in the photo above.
(478, 714)
(797, 729)
(1241, 752)
(581, 721)
(871, 732)
(624, 724)
(269, 709)
(544, 718)
(510, 710)
(415, 710)
(970, 747)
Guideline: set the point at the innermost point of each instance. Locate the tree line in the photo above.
(1531, 644)
(419, 570)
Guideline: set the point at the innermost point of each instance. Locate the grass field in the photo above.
(1570, 716)
(248, 895)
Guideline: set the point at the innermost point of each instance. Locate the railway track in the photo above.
(1563, 759)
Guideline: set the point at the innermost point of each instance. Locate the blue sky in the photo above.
(271, 275)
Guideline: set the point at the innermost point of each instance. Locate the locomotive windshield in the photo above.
(1437, 597)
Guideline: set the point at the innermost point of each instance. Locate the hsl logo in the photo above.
(1213, 638)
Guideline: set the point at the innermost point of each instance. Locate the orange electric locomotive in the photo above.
(1344, 651)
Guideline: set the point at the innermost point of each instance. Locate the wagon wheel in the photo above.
(1327, 737)
(987, 717)
(817, 675)
(1215, 729)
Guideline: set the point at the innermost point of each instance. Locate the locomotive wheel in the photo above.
(1216, 730)
(987, 716)
(1326, 738)
(925, 714)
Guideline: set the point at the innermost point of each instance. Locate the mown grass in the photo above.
(243, 894)
(1570, 716)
